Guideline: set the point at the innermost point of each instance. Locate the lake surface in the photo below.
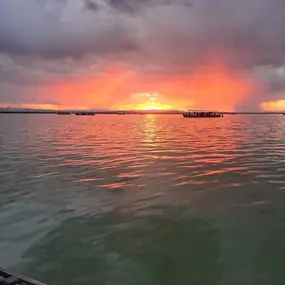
(143, 199)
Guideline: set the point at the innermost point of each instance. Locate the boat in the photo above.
(63, 113)
(202, 115)
(85, 114)
(13, 279)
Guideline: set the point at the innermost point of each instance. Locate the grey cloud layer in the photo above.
(63, 29)
(249, 32)
(165, 34)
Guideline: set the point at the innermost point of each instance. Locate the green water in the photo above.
(143, 199)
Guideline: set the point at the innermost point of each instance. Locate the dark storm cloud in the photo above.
(248, 33)
(90, 5)
(272, 87)
(136, 6)
(28, 27)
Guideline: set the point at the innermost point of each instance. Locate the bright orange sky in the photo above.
(212, 86)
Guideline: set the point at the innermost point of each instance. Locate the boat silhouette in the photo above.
(195, 114)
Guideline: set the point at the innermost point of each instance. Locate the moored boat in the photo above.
(85, 114)
(63, 113)
(202, 115)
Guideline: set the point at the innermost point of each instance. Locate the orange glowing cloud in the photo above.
(94, 92)
(212, 86)
(278, 105)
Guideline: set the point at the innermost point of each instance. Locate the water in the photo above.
(143, 199)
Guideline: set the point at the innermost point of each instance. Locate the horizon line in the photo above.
(98, 111)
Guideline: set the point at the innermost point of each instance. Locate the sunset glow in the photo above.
(153, 106)
(149, 107)
(211, 86)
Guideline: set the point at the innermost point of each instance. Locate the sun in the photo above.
(148, 101)
(153, 107)
(150, 107)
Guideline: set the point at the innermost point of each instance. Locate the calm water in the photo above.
(143, 199)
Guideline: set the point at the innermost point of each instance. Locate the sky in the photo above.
(225, 55)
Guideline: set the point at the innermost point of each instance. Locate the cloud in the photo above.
(30, 28)
(42, 42)
(90, 5)
(166, 29)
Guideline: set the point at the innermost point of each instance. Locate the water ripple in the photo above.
(111, 182)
